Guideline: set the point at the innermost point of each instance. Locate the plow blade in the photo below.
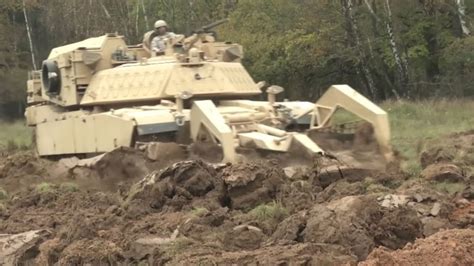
(345, 97)
(281, 144)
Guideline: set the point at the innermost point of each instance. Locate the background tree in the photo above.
(385, 49)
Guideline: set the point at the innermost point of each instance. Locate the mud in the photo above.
(450, 247)
(175, 188)
(21, 169)
(457, 149)
(360, 224)
(133, 207)
(251, 184)
(443, 172)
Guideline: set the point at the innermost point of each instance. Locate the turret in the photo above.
(66, 74)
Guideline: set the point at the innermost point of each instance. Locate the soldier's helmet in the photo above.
(160, 23)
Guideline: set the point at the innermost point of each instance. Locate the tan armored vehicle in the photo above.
(99, 94)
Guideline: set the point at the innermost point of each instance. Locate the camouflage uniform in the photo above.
(158, 44)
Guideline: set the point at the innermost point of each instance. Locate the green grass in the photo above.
(69, 187)
(270, 211)
(3, 199)
(44, 188)
(449, 187)
(413, 123)
(15, 135)
(199, 211)
(3, 194)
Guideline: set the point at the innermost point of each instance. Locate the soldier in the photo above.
(158, 43)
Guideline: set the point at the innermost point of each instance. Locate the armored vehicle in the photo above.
(95, 95)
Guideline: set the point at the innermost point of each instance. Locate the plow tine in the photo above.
(310, 145)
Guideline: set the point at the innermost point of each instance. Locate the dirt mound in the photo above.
(92, 252)
(450, 247)
(299, 254)
(75, 219)
(124, 208)
(19, 249)
(357, 223)
(251, 184)
(21, 169)
(107, 171)
(341, 189)
(457, 149)
(244, 237)
(52, 206)
(443, 172)
(360, 224)
(197, 184)
(463, 216)
(432, 206)
(175, 187)
(121, 167)
(20, 164)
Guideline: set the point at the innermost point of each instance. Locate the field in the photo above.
(412, 124)
(15, 135)
(128, 209)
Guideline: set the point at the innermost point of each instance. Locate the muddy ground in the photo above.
(130, 208)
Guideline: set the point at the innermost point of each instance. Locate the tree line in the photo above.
(386, 49)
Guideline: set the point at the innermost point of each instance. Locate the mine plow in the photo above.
(261, 125)
(100, 94)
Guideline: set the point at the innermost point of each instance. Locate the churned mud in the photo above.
(138, 207)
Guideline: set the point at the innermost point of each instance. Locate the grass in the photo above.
(68, 187)
(178, 246)
(199, 211)
(44, 188)
(3, 194)
(3, 199)
(15, 135)
(413, 123)
(270, 211)
(449, 187)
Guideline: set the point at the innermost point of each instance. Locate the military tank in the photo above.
(99, 94)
